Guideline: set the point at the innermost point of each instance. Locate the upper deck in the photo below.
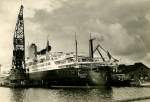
(59, 60)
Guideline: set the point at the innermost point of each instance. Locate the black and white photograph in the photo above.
(75, 51)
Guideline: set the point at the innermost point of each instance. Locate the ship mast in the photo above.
(76, 44)
(91, 47)
(47, 49)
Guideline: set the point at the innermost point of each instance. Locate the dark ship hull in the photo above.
(72, 77)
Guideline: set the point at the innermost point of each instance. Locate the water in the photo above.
(126, 94)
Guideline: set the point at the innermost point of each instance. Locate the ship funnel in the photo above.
(91, 48)
(32, 53)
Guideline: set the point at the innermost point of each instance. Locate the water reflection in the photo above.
(103, 94)
(60, 95)
(82, 95)
(17, 95)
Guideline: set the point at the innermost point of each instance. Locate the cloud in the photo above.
(8, 17)
(122, 26)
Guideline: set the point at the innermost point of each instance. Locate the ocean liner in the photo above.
(57, 68)
(70, 69)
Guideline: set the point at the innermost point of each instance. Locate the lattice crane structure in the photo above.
(18, 71)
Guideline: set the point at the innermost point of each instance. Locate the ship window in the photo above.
(57, 62)
(60, 62)
(30, 63)
(42, 60)
(84, 60)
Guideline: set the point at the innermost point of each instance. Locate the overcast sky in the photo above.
(121, 26)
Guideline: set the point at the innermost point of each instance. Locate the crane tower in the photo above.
(18, 70)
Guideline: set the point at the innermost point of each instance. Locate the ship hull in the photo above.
(72, 76)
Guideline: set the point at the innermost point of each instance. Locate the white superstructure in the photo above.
(59, 60)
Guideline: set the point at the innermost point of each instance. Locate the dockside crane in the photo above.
(18, 70)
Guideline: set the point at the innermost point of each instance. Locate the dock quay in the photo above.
(28, 84)
(131, 75)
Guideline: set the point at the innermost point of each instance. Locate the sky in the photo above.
(120, 26)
